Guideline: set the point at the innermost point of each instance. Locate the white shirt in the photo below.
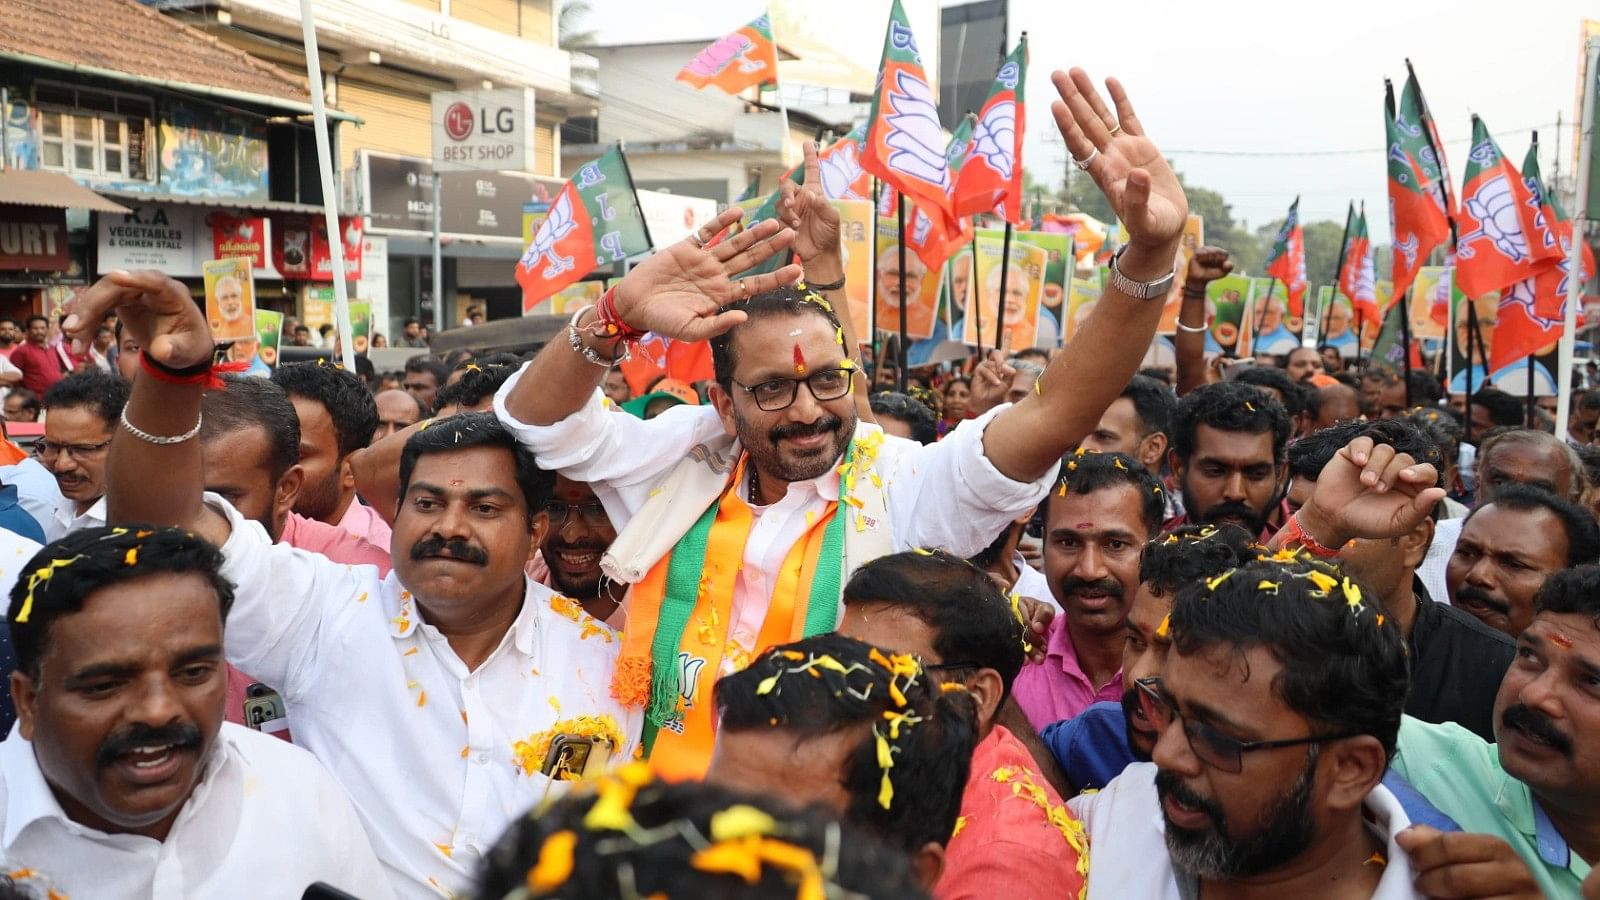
(1445, 534)
(37, 490)
(944, 495)
(1032, 583)
(15, 552)
(423, 746)
(67, 519)
(1128, 847)
(265, 820)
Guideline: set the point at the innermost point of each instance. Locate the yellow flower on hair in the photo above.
(131, 558)
(1268, 587)
(1250, 406)
(1352, 594)
(1213, 583)
(1323, 581)
(767, 684)
(610, 810)
(40, 576)
(1118, 463)
(1165, 628)
(555, 862)
(740, 820)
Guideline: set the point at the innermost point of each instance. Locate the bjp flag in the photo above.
(746, 58)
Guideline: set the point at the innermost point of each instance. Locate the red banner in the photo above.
(33, 238)
(301, 249)
(239, 236)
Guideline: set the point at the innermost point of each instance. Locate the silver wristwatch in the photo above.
(1139, 290)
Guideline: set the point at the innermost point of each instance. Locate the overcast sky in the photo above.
(1215, 81)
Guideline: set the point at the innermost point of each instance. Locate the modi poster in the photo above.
(1059, 264)
(1272, 329)
(1026, 323)
(230, 298)
(916, 292)
(1081, 301)
(1431, 286)
(1194, 237)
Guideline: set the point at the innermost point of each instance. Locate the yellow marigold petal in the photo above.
(961, 822)
(1164, 630)
(730, 858)
(444, 848)
(741, 820)
(554, 866)
(767, 684)
(1213, 583)
(422, 698)
(131, 558)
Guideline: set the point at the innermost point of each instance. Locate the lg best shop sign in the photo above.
(483, 130)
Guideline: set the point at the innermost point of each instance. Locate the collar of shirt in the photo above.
(825, 486)
(524, 629)
(93, 517)
(29, 798)
(1058, 645)
(1521, 808)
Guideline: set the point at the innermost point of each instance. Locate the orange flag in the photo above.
(746, 58)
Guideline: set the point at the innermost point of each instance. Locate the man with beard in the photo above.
(1095, 525)
(1137, 423)
(1456, 661)
(337, 418)
(121, 779)
(1509, 546)
(958, 623)
(81, 413)
(1227, 456)
(1276, 711)
(1303, 364)
(569, 559)
(747, 515)
(449, 676)
(1538, 785)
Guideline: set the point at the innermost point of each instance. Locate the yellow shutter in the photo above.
(395, 121)
(544, 150)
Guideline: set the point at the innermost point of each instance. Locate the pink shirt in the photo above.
(363, 521)
(316, 537)
(1057, 688)
(1005, 843)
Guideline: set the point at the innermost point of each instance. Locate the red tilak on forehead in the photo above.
(799, 361)
(1560, 640)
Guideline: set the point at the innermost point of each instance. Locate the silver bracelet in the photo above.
(586, 351)
(1192, 329)
(160, 440)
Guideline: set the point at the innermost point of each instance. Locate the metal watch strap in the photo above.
(1139, 290)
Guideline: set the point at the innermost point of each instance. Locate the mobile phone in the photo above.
(573, 756)
(321, 890)
(264, 709)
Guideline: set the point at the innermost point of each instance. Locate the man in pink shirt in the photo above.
(337, 418)
(1096, 522)
(953, 617)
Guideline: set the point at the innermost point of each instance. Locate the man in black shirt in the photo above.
(1457, 662)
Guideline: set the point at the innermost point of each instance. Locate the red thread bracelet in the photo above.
(1296, 533)
(609, 323)
(208, 375)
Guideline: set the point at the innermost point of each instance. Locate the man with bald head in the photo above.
(397, 409)
(1334, 404)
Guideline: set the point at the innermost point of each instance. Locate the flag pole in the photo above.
(1261, 320)
(1527, 415)
(1575, 251)
(1405, 336)
(1338, 269)
(330, 199)
(872, 283)
(975, 308)
(1005, 270)
(900, 246)
(1361, 329)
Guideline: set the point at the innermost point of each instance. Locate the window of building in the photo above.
(93, 134)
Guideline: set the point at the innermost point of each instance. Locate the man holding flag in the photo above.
(740, 521)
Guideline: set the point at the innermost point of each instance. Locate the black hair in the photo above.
(99, 392)
(1504, 410)
(478, 380)
(1156, 373)
(932, 757)
(1086, 471)
(35, 318)
(1309, 455)
(1193, 553)
(1349, 380)
(57, 580)
(1290, 355)
(1229, 406)
(1270, 378)
(1583, 535)
(341, 393)
(1344, 661)
(325, 328)
(671, 825)
(971, 619)
(1585, 400)
(254, 403)
(1588, 454)
(1153, 402)
(1491, 445)
(27, 398)
(411, 320)
(924, 428)
(477, 429)
(1032, 353)
(1425, 389)
(784, 301)
(434, 367)
(4, 319)
(1441, 427)
(1575, 590)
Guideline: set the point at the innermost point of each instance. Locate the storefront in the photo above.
(44, 240)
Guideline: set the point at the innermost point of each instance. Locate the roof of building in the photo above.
(124, 37)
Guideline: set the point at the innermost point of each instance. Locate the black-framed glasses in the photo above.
(50, 449)
(1211, 746)
(779, 393)
(592, 513)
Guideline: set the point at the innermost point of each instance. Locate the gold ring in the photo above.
(744, 290)
(699, 242)
(1116, 129)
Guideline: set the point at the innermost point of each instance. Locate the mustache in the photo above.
(183, 736)
(1073, 584)
(1538, 725)
(1168, 784)
(1479, 595)
(452, 549)
(823, 425)
(1130, 706)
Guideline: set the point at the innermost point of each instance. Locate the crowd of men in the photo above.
(1047, 627)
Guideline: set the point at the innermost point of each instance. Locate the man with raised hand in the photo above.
(740, 521)
(432, 694)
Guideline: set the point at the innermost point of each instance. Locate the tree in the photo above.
(572, 31)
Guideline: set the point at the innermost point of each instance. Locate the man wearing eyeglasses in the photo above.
(569, 558)
(739, 522)
(81, 413)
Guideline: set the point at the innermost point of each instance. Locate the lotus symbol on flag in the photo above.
(1521, 294)
(1408, 247)
(840, 171)
(1366, 280)
(920, 229)
(996, 136)
(1495, 208)
(555, 227)
(916, 138)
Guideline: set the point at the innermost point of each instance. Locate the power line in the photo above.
(1350, 152)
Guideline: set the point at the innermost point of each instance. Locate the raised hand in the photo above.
(990, 382)
(1369, 491)
(680, 292)
(1207, 265)
(805, 208)
(155, 310)
(1125, 165)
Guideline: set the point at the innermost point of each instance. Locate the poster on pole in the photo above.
(920, 296)
(230, 298)
(1227, 327)
(269, 334)
(1059, 264)
(1026, 324)
(1273, 330)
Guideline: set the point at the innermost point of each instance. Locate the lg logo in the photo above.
(458, 121)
